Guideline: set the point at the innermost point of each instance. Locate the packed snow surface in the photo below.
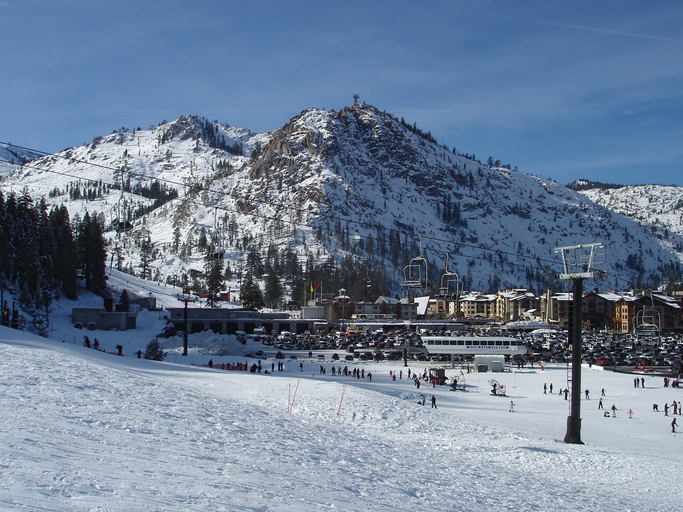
(84, 430)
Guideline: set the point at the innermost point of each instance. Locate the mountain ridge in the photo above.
(355, 182)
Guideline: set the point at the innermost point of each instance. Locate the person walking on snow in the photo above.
(588, 395)
(434, 402)
(673, 425)
(614, 411)
(512, 406)
(545, 389)
(600, 404)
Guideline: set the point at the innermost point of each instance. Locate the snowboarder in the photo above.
(512, 406)
(434, 402)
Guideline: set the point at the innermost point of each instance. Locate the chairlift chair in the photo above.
(415, 273)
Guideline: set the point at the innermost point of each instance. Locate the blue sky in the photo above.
(562, 90)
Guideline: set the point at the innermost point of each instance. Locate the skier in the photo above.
(666, 409)
(614, 411)
(545, 388)
(422, 397)
(434, 402)
(673, 425)
(642, 382)
(602, 392)
(600, 404)
(630, 413)
(512, 406)
(588, 395)
(551, 388)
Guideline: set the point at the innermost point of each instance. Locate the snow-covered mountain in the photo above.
(353, 182)
(11, 156)
(651, 205)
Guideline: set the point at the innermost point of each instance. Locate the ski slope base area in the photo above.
(83, 430)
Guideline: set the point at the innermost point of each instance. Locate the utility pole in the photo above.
(579, 264)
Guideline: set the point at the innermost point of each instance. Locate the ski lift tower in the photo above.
(579, 263)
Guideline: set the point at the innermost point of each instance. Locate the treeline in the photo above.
(43, 254)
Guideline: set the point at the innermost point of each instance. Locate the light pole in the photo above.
(185, 299)
(342, 299)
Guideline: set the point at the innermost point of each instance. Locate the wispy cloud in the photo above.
(601, 30)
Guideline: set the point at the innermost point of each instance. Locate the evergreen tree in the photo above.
(153, 351)
(273, 288)
(124, 301)
(250, 294)
(214, 278)
(92, 254)
(65, 255)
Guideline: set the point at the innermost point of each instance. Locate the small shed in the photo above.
(489, 363)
